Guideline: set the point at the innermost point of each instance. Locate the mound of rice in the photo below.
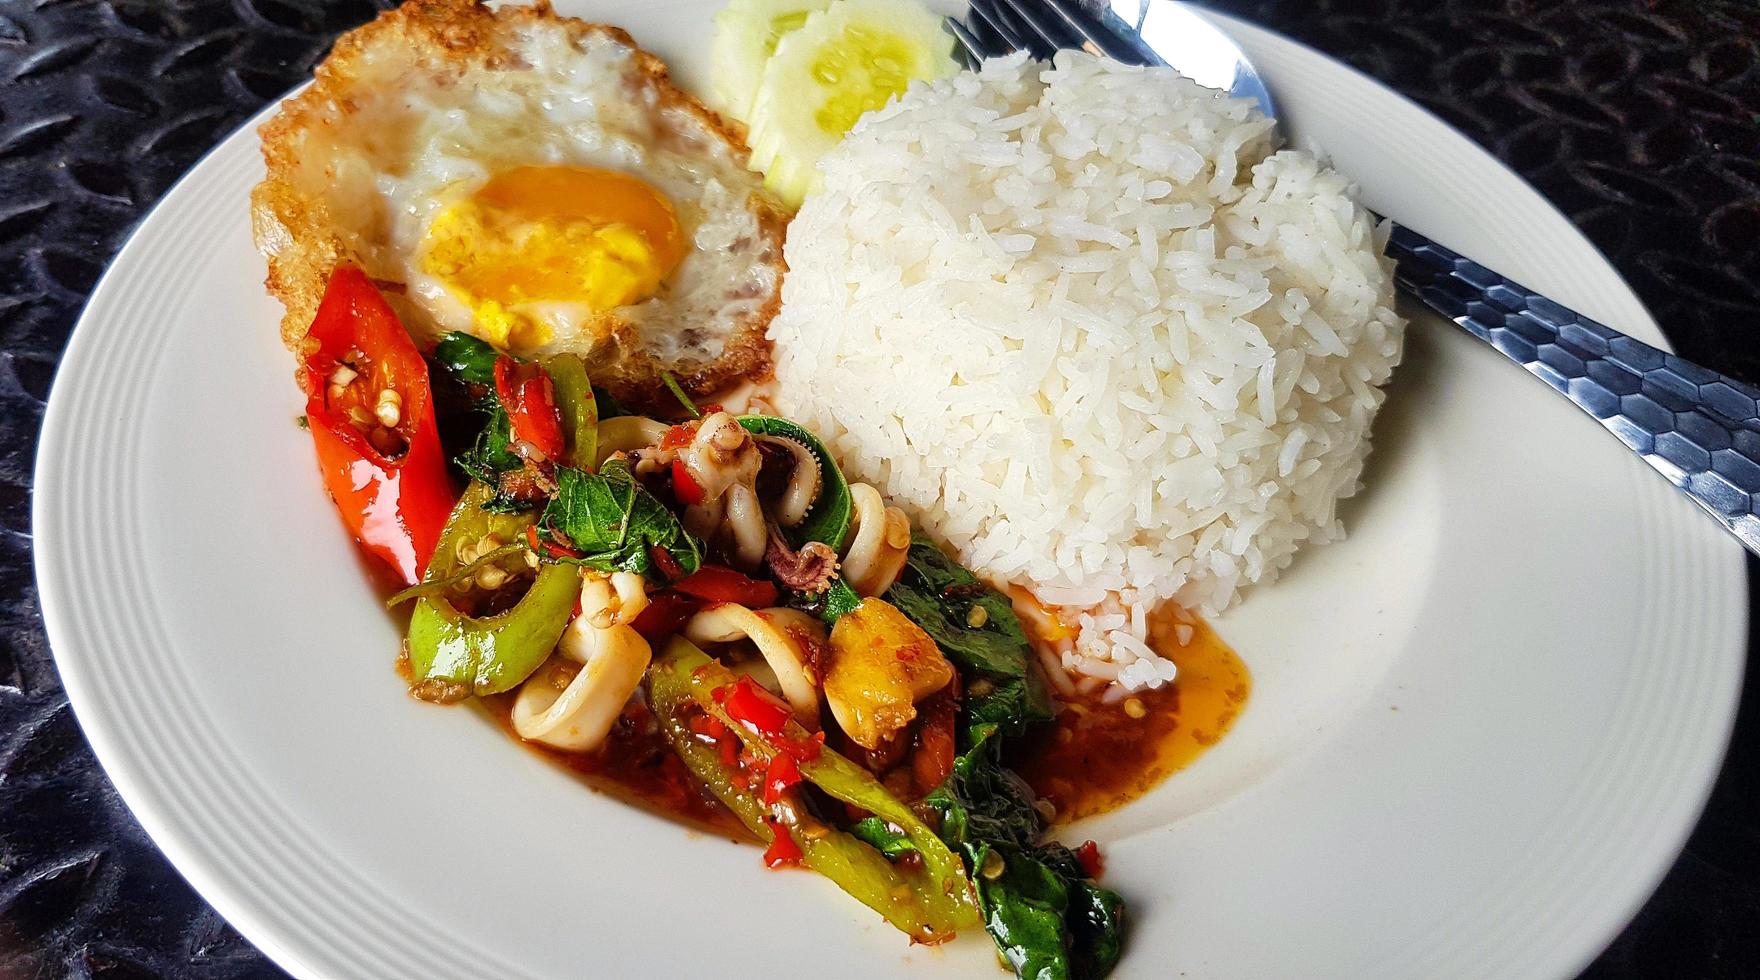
(1099, 337)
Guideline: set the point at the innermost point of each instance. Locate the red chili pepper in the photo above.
(783, 851)
(684, 486)
(394, 503)
(805, 750)
(717, 583)
(528, 394)
(782, 774)
(667, 564)
(710, 727)
(548, 546)
(665, 613)
(749, 704)
(1088, 856)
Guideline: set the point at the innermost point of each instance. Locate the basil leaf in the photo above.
(614, 521)
(829, 605)
(1047, 918)
(828, 520)
(466, 358)
(1047, 921)
(940, 596)
(492, 455)
(882, 836)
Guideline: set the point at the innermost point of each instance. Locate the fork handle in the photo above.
(1698, 428)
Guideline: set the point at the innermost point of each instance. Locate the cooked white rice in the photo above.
(1097, 336)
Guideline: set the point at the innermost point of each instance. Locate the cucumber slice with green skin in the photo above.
(847, 59)
(746, 34)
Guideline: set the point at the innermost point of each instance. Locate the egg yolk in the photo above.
(596, 238)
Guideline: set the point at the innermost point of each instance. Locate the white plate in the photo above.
(1481, 730)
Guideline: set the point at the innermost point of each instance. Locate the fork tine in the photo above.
(992, 44)
(971, 50)
(1097, 37)
(1049, 31)
(1011, 35)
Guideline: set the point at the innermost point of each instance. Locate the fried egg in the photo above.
(533, 180)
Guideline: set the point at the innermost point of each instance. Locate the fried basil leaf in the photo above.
(614, 522)
(466, 358)
(1047, 918)
(940, 596)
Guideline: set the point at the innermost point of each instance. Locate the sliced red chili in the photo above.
(665, 614)
(1088, 856)
(805, 750)
(388, 481)
(782, 775)
(717, 583)
(684, 486)
(749, 704)
(548, 546)
(528, 394)
(783, 851)
(667, 564)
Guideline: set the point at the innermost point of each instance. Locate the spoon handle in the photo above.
(1699, 428)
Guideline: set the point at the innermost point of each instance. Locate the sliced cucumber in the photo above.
(746, 33)
(847, 59)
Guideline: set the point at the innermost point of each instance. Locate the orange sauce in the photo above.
(1097, 757)
(636, 765)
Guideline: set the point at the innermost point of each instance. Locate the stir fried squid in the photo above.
(613, 658)
(835, 685)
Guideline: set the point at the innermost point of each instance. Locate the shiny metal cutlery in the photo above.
(1698, 428)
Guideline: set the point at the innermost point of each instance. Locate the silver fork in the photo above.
(1698, 428)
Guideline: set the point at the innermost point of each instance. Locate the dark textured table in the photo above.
(1639, 118)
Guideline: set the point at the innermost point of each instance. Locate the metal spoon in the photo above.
(1698, 428)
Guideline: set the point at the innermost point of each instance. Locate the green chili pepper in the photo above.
(490, 653)
(928, 905)
(579, 408)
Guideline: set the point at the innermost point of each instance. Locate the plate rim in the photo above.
(109, 743)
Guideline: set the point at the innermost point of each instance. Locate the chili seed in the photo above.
(1047, 809)
(491, 577)
(977, 616)
(390, 409)
(342, 376)
(360, 418)
(993, 866)
(1134, 708)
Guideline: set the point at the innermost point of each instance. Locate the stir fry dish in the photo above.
(705, 610)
